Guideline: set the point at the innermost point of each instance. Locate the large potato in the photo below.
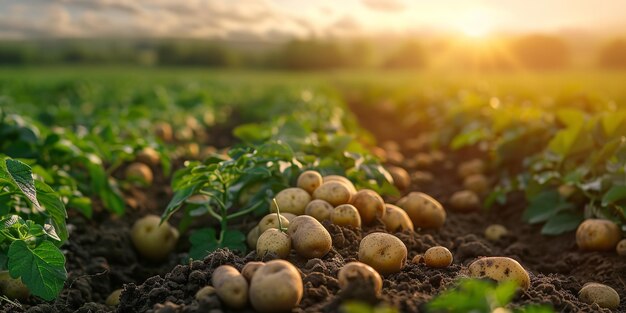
(384, 252)
(153, 241)
(276, 287)
(252, 237)
(500, 269)
(396, 219)
(292, 200)
(424, 211)
(438, 256)
(309, 238)
(231, 287)
(477, 183)
(401, 178)
(341, 179)
(597, 235)
(369, 204)
(333, 192)
(309, 181)
(273, 240)
(357, 271)
(271, 221)
(319, 209)
(345, 215)
(603, 295)
(464, 201)
(471, 167)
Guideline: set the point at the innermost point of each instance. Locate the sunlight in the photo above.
(475, 23)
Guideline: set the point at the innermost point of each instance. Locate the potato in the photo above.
(148, 156)
(423, 160)
(621, 247)
(333, 192)
(13, 288)
(291, 200)
(401, 178)
(341, 179)
(153, 241)
(437, 156)
(477, 183)
(424, 211)
(271, 221)
(603, 295)
(309, 238)
(417, 259)
(231, 287)
(288, 216)
(252, 237)
(164, 131)
(114, 298)
(390, 145)
(276, 287)
(464, 201)
(139, 173)
(309, 181)
(345, 215)
(360, 272)
(319, 209)
(566, 191)
(597, 235)
(384, 252)
(380, 153)
(421, 177)
(369, 204)
(396, 219)
(495, 232)
(204, 292)
(438, 256)
(471, 167)
(273, 240)
(250, 269)
(500, 269)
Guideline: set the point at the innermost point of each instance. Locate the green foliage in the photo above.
(361, 307)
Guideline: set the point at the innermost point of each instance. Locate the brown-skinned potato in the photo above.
(333, 192)
(271, 221)
(384, 252)
(231, 287)
(495, 232)
(401, 178)
(500, 269)
(477, 183)
(357, 271)
(204, 292)
(340, 179)
(309, 181)
(621, 248)
(396, 219)
(153, 241)
(597, 235)
(424, 211)
(291, 200)
(139, 173)
(273, 240)
(276, 287)
(605, 296)
(471, 167)
(465, 201)
(114, 297)
(369, 204)
(309, 238)
(319, 209)
(164, 131)
(250, 269)
(13, 288)
(252, 237)
(148, 156)
(438, 257)
(345, 215)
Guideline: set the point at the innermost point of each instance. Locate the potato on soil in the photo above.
(423, 160)
(417, 259)
(345, 215)
(495, 232)
(380, 153)
(273, 240)
(341, 179)
(360, 272)
(477, 183)
(464, 201)
(139, 173)
(369, 204)
(153, 241)
(390, 145)
(309, 238)
(148, 156)
(396, 219)
(164, 131)
(276, 287)
(319, 209)
(204, 292)
(438, 257)
(309, 181)
(13, 288)
(401, 178)
(250, 268)
(424, 211)
(471, 167)
(500, 269)
(114, 298)
(252, 237)
(291, 200)
(597, 235)
(271, 221)
(333, 192)
(621, 248)
(231, 287)
(421, 177)
(384, 252)
(603, 295)
(437, 156)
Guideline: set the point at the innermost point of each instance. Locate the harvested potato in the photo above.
(309, 238)
(319, 209)
(369, 204)
(345, 215)
(273, 240)
(291, 200)
(495, 232)
(384, 252)
(597, 235)
(276, 287)
(231, 287)
(252, 237)
(603, 295)
(309, 181)
(204, 292)
(464, 201)
(271, 221)
(139, 173)
(164, 131)
(621, 247)
(250, 268)
(333, 192)
(357, 271)
(13, 288)
(500, 269)
(289, 216)
(417, 259)
(153, 240)
(396, 219)
(422, 177)
(114, 298)
(424, 211)
(438, 257)
(477, 183)
(401, 178)
(340, 179)
(471, 167)
(148, 156)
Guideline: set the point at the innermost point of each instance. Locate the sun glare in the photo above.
(474, 23)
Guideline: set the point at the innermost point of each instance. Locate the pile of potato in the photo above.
(475, 183)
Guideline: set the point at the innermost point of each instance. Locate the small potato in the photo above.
(153, 241)
(114, 298)
(566, 191)
(437, 156)
(396, 219)
(471, 167)
(500, 269)
(390, 145)
(621, 247)
(603, 295)
(291, 200)
(357, 271)
(276, 287)
(148, 156)
(13, 288)
(250, 269)
(139, 173)
(380, 153)
(401, 178)
(204, 292)
(597, 235)
(464, 201)
(495, 232)
(252, 237)
(319, 209)
(369, 204)
(384, 252)
(418, 259)
(309, 181)
(477, 183)
(438, 257)
(271, 221)
(345, 215)
(273, 240)
(340, 179)
(231, 287)
(164, 131)
(333, 192)
(421, 177)
(424, 211)
(423, 160)
(309, 238)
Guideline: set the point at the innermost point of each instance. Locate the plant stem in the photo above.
(244, 212)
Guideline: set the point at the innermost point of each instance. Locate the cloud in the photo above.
(385, 5)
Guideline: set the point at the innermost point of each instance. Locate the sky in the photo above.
(280, 19)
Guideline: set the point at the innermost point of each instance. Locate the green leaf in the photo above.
(179, 197)
(468, 138)
(82, 204)
(54, 208)
(204, 241)
(571, 117)
(564, 140)
(542, 206)
(42, 269)
(563, 221)
(22, 176)
(614, 194)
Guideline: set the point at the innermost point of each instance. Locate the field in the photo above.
(86, 152)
